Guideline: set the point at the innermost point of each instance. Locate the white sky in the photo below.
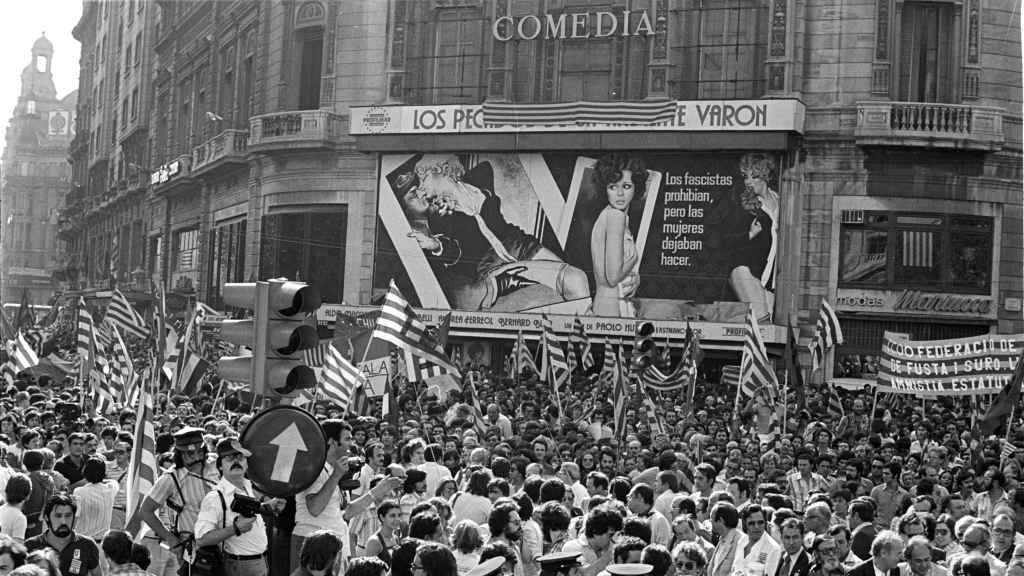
(21, 22)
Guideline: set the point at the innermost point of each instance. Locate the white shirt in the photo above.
(663, 503)
(503, 424)
(214, 514)
(579, 494)
(329, 519)
(12, 522)
(468, 506)
(765, 552)
(436, 473)
(95, 508)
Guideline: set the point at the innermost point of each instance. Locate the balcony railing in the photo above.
(929, 124)
(229, 145)
(298, 129)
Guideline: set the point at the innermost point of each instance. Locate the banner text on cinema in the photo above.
(572, 26)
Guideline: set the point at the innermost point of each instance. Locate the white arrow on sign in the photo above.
(289, 443)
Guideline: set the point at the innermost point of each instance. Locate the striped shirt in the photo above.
(95, 507)
(801, 489)
(193, 489)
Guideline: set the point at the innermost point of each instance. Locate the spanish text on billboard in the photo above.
(660, 236)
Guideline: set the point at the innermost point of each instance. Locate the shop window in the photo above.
(933, 252)
(227, 258)
(306, 246)
(860, 353)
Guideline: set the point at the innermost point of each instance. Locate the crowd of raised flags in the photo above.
(114, 376)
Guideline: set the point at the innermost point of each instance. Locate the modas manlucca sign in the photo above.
(578, 25)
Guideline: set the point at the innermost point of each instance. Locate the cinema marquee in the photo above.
(572, 26)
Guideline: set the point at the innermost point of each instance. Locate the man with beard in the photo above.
(243, 538)
(506, 526)
(78, 555)
(179, 492)
(991, 492)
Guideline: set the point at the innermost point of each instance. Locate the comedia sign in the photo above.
(619, 235)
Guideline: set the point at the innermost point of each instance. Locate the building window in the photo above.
(311, 48)
(307, 246)
(185, 116)
(731, 51)
(459, 55)
(135, 103)
(899, 250)
(226, 101)
(227, 258)
(927, 52)
(138, 48)
(186, 250)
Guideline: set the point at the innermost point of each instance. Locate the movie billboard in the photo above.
(656, 236)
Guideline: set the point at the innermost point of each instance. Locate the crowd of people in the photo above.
(893, 486)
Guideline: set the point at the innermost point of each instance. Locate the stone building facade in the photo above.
(36, 176)
(270, 128)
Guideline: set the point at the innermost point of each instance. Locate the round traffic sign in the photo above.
(288, 450)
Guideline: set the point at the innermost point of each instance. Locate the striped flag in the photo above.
(731, 375)
(185, 353)
(22, 354)
(554, 356)
(827, 333)
(7, 331)
(315, 356)
(122, 315)
(757, 378)
(85, 342)
(620, 394)
(1007, 450)
(125, 375)
(580, 112)
(583, 340)
(421, 369)
(339, 378)
(609, 370)
(524, 358)
(835, 404)
(918, 249)
(142, 467)
(400, 325)
(115, 257)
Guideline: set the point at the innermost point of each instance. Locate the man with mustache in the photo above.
(78, 554)
(179, 493)
(244, 540)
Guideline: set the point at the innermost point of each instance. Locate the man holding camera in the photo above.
(230, 514)
(180, 491)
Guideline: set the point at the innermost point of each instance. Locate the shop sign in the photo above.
(915, 302)
(958, 367)
(686, 116)
(579, 25)
(510, 323)
(165, 172)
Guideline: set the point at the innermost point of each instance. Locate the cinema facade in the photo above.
(783, 154)
(893, 180)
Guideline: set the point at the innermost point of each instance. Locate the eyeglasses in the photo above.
(120, 451)
(1003, 531)
(687, 565)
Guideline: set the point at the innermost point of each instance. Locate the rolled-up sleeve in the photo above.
(210, 514)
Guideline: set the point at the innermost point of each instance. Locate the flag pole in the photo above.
(785, 401)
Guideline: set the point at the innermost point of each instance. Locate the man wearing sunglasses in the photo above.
(179, 493)
(759, 554)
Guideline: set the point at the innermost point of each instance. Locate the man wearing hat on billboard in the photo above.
(456, 219)
(178, 493)
(229, 517)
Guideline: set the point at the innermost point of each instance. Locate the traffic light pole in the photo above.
(259, 356)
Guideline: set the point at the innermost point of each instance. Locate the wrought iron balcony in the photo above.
(227, 147)
(298, 129)
(929, 124)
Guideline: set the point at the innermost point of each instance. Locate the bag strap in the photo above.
(177, 486)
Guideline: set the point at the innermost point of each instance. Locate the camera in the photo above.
(246, 506)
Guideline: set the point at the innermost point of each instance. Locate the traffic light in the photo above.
(282, 327)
